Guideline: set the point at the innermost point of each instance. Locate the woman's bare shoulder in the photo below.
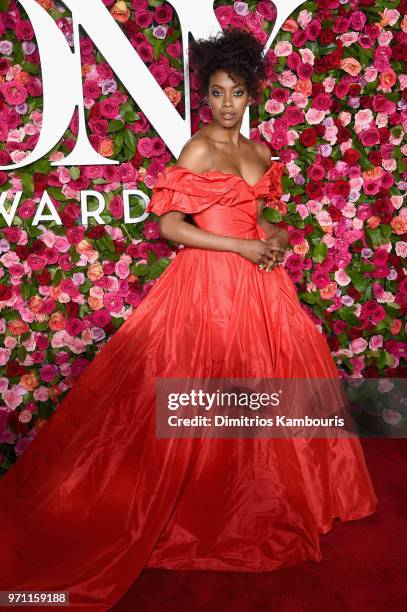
(263, 152)
(196, 155)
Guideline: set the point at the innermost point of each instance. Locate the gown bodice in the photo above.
(222, 203)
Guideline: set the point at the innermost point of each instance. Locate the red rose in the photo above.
(322, 102)
(351, 156)
(6, 293)
(341, 188)
(375, 158)
(308, 137)
(334, 213)
(343, 134)
(341, 89)
(24, 30)
(314, 190)
(294, 115)
(326, 37)
(365, 101)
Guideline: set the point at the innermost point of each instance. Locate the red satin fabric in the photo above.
(96, 497)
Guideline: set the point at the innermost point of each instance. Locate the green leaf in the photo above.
(42, 166)
(115, 125)
(130, 140)
(28, 183)
(105, 244)
(30, 68)
(140, 269)
(158, 267)
(320, 252)
(4, 5)
(57, 277)
(26, 291)
(151, 257)
(75, 173)
(348, 315)
(358, 280)
(131, 116)
(272, 215)
(374, 236)
(309, 298)
(118, 141)
(56, 193)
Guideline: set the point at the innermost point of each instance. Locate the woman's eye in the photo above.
(216, 91)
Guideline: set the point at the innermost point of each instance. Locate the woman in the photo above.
(98, 496)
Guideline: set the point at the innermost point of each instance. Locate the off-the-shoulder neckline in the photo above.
(231, 174)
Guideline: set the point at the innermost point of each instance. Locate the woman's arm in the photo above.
(174, 228)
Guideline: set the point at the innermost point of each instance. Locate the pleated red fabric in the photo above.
(97, 496)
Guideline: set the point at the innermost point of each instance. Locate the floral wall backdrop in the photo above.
(334, 109)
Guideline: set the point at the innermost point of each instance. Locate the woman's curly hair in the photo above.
(234, 50)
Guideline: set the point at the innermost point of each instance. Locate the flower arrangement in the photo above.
(334, 109)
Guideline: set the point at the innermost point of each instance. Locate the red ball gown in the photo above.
(97, 497)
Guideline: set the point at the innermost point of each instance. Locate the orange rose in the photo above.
(290, 25)
(329, 291)
(95, 303)
(85, 248)
(29, 381)
(106, 147)
(173, 95)
(351, 66)
(95, 271)
(46, 4)
(23, 77)
(373, 222)
(373, 173)
(120, 12)
(304, 86)
(55, 292)
(387, 79)
(57, 321)
(399, 225)
(395, 327)
(35, 303)
(86, 68)
(302, 248)
(54, 392)
(17, 327)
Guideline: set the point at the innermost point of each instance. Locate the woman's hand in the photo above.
(257, 251)
(278, 241)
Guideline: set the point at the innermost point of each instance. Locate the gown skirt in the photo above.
(97, 497)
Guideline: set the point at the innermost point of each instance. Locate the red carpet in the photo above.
(364, 565)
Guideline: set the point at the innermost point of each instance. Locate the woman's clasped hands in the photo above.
(267, 253)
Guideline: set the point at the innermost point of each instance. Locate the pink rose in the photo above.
(145, 147)
(294, 116)
(322, 102)
(109, 108)
(24, 30)
(370, 137)
(151, 230)
(357, 20)
(359, 345)
(224, 14)
(91, 89)
(113, 302)
(14, 92)
(375, 342)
